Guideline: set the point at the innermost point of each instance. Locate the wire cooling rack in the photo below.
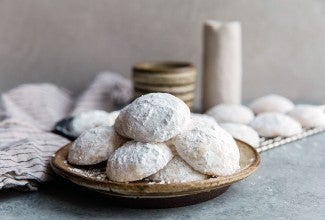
(270, 143)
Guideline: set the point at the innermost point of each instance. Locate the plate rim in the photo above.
(150, 190)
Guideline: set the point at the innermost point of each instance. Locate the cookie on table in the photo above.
(155, 117)
(309, 116)
(242, 132)
(271, 103)
(211, 151)
(94, 146)
(135, 160)
(273, 124)
(92, 119)
(231, 113)
(177, 171)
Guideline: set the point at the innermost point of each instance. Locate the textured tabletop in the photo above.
(290, 184)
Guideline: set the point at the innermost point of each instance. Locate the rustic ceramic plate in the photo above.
(154, 195)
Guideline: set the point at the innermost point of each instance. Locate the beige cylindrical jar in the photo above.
(222, 63)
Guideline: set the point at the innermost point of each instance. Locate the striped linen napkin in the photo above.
(28, 114)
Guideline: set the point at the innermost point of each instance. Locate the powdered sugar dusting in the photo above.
(135, 161)
(203, 120)
(272, 124)
(309, 116)
(177, 171)
(155, 117)
(92, 119)
(243, 133)
(271, 103)
(94, 146)
(93, 173)
(231, 113)
(211, 151)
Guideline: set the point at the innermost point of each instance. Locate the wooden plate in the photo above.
(146, 194)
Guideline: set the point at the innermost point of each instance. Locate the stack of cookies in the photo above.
(157, 139)
(176, 78)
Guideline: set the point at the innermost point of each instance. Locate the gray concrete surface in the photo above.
(288, 185)
(68, 41)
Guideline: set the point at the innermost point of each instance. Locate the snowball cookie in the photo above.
(155, 117)
(203, 120)
(309, 116)
(211, 151)
(231, 113)
(135, 161)
(177, 171)
(271, 103)
(92, 119)
(272, 124)
(243, 133)
(94, 146)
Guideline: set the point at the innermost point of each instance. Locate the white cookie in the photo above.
(309, 116)
(197, 120)
(177, 171)
(92, 119)
(272, 124)
(203, 119)
(155, 117)
(94, 146)
(271, 103)
(209, 151)
(135, 161)
(231, 113)
(242, 132)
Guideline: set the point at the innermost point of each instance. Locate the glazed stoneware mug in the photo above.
(176, 78)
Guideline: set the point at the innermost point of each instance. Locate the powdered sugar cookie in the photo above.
(155, 117)
(197, 120)
(272, 124)
(309, 116)
(271, 103)
(94, 146)
(177, 171)
(135, 161)
(92, 119)
(242, 132)
(209, 151)
(203, 120)
(231, 113)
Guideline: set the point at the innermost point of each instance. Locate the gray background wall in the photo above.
(68, 41)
